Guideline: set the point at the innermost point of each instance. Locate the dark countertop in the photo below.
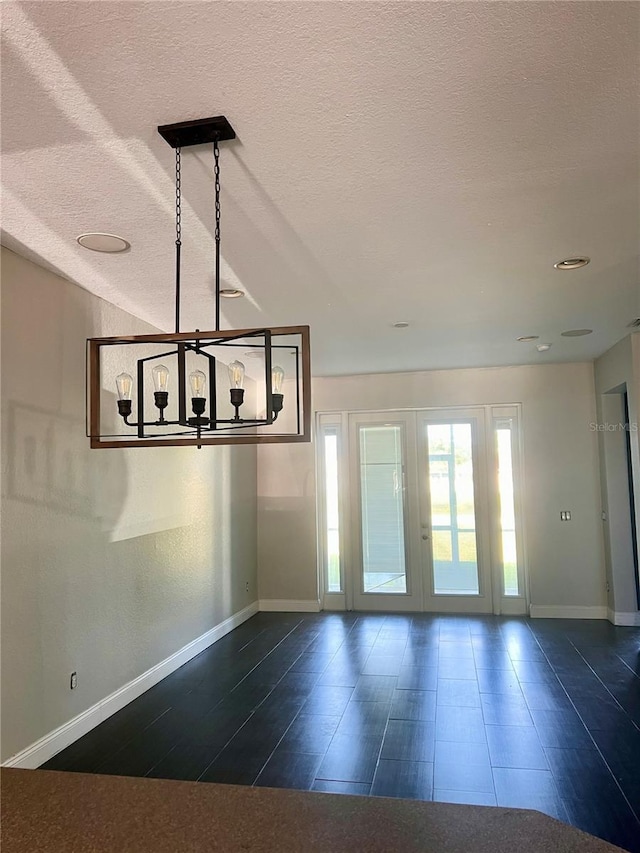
(78, 812)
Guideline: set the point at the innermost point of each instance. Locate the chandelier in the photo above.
(170, 386)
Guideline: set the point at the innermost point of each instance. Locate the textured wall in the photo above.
(422, 161)
(565, 560)
(111, 559)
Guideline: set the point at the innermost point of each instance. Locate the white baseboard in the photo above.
(49, 745)
(624, 619)
(286, 605)
(566, 611)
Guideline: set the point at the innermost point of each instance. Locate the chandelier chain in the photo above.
(216, 173)
(178, 198)
(178, 234)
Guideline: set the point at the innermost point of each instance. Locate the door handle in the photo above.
(425, 535)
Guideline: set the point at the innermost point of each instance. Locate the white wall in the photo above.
(619, 369)
(112, 560)
(287, 523)
(565, 559)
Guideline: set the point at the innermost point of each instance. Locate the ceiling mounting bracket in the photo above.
(198, 132)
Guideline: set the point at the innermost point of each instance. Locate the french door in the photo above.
(421, 511)
(454, 517)
(384, 507)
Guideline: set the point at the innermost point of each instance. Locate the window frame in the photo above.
(510, 416)
(330, 424)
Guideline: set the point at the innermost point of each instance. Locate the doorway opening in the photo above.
(632, 500)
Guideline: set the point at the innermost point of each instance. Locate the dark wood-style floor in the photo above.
(541, 714)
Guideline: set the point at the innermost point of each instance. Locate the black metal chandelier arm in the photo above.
(136, 424)
(244, 421)
(210, 427)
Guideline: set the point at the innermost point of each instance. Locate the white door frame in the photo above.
(418, 554)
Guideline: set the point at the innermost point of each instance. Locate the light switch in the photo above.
(565, 515)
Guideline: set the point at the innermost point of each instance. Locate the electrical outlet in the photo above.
(247, 586)
(73, 681)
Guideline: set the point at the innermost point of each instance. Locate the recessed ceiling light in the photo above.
(254, 353)
(572, 263)
(543, 347)
(526, 338)
(576, 333)
(401, 324)
(109, 243)
(231, 292)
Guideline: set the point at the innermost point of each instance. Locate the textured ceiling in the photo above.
(418, 161)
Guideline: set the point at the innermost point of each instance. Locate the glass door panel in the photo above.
(382, 508)
(507, 521)
(332, 509)
(509, 556)
(384, 512)
(453, 518)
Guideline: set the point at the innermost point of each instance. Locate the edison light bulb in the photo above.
(198, 383)
(160, 377)
(277, 378)
(236, 374)
(124, 384)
